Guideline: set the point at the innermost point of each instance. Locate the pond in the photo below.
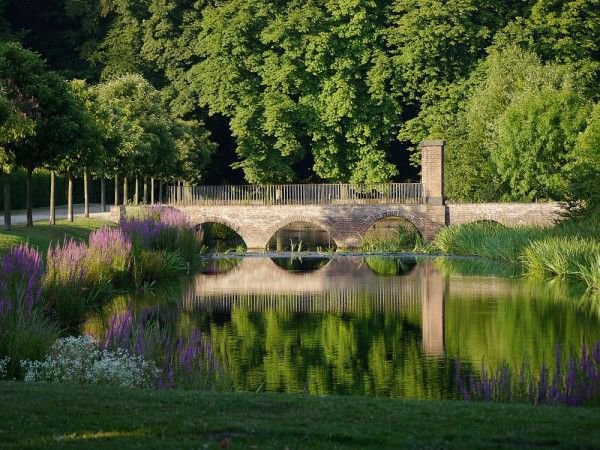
(366, 325)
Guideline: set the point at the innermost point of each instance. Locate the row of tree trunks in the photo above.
(148, 191)
(7, 217)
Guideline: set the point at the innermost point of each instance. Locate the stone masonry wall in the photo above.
(510, 214)
(348, 224)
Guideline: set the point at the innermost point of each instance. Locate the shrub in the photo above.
(20, 280)
(163, 228)
(65, 283)
(80, 360)
(26, 337)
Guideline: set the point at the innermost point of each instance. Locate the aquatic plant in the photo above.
(590, 272)
(576, 384)
(184, 361)
(562, 256)
(487, 239)
(402, 239)
(163, 228)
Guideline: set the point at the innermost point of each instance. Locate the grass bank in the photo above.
(43, 234)
(570, 249)
(35, 416)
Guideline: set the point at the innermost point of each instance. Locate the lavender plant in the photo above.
(576, 384)
(184, 361)
(25, 330)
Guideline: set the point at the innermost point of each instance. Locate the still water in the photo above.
(368, 325)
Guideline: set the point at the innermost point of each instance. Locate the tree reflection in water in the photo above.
(372, 327)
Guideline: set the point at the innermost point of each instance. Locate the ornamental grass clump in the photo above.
(25, 330)
(576, 383)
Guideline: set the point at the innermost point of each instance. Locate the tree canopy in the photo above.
(337, 90)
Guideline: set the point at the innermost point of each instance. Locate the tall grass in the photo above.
(571, 249)
(401, 239)
(25, 331)
(487, 240)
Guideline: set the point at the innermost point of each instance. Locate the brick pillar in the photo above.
(432, 171)
(433, 289)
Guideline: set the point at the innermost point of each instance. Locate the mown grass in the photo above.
(92, 417)
(41, 235)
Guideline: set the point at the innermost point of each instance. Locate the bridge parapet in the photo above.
(297, 194)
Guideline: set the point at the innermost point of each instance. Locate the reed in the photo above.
(561, 256)
(487, 240)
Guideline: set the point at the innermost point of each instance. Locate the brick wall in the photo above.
(510, 214)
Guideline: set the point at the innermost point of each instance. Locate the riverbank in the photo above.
(41, 235)
(34, 416)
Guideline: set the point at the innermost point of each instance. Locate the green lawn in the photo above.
(42, 234)
(61, 416)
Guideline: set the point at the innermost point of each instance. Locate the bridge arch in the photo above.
(288, 220)
(198, 221)
(418, 221)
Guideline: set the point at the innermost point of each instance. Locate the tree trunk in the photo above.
(136, 194)
(29, 195)
(125, 191)
(152, 191)
(103, 194)
(145, 190)
(116, 190)
(160, 191)
(70, 216)
(86, 194)
(52, 198)
(7, 216)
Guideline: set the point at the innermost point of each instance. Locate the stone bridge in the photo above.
(346, 212)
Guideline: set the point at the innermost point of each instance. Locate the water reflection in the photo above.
(370, 326)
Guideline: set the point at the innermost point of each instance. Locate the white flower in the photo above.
(79, 360)
(3, 367)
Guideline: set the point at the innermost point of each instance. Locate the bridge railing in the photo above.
(297, 194)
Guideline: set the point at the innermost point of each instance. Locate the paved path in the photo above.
(20, 217)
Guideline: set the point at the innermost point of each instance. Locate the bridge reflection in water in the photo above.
(342, 285)
(364, 325)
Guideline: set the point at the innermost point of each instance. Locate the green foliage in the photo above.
(487, 239)
(138, 125)
(159, 265)
(562, 256)
(26, 338)
(300, 78)
(536, 138)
